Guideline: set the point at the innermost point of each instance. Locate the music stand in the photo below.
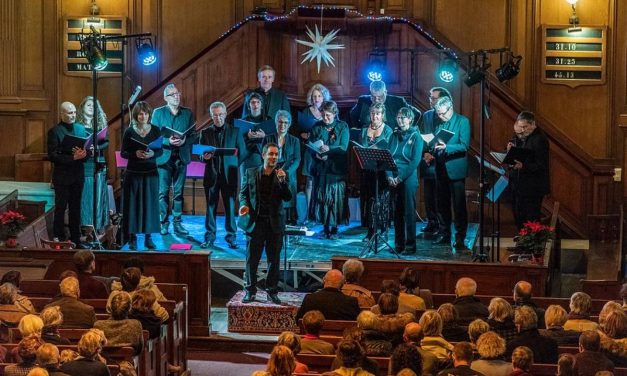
(375, 160)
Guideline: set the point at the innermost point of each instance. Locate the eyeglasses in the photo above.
(221, 114)
(177, 94)
(443, 112)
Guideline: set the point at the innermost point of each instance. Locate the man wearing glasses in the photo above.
(172, 164)
(451, 168)
(428, 124)
(221, 174)
(360, 113)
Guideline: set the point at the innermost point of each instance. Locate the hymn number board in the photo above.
(75, 28)
(574, 57)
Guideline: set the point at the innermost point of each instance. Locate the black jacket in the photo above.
(248, 196)
(470, 308)
(66, 170)
(533, 178)
(333, 304)
(544, 348)
(227, 165)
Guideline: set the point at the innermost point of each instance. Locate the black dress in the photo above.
(141, 185)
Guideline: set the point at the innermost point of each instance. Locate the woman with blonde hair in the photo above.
(501, 318)
(52, 318)
(281, 362)
(119, 329)
(491, 348)
(38, 371)
(88, 363)
(431, 323)
(554, 318)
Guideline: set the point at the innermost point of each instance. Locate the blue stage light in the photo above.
(146, 52)
(447, 71)
(375, 70)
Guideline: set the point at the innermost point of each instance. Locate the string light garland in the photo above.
(275, 18)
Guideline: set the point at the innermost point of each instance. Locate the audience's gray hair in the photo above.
(580, 303)
(352, 270)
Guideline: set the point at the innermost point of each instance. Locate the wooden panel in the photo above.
(13, 126)
(440, 277)
(9, 29)
(35, 135)
(32, 70)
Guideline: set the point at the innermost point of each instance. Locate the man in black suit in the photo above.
(273, 99)
(68, 173)
(529, 181)
(428, 124)
(331, 301)
(360, 113)
(264, 189)
(221, 174)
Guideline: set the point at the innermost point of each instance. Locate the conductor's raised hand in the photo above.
(243, 210)
(280, 174)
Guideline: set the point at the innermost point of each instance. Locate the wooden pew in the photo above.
(551, 370)
(322, 363)
(113, 368)
(331, 327)
(176, 307)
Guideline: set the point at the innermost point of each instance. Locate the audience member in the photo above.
(406, 356)
(579, 315)
(491, 348)
(15, 277)
(333, 304)
(375, 343)
(141, 310)
(462, 359)
(27, 351)
(413, 335)
(281, 362)
(392, 287)
(38, 371)
(451, 330)
(30, 325)
(145, 282)
(476, 329)
(566, 365)
(412, 296)
(390, 323)
(406, 372)
(88, 363)
(590, 360)
(127, 369)
(353, 269)
(67, 356)
(119, 329)
(554, 318)
(130, 280)
(48, 358)
(501, 319)
(613, 330)
(52, 319)
(10, 310)
(92, 287)
(468, 306)
(431, 323)
(292, 342)
(544, 348)
(356, 334)
(76, 314)
(313, 321)
(522, 360)
(523, 297)
(350, 354)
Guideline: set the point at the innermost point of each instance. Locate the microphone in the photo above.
(93, 30)
(133, 98)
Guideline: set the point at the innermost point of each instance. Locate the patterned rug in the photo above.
(263, 316)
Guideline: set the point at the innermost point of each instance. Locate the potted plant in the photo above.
(532, 238)
(12, 223)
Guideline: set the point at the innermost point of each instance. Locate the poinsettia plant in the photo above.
(12, 222)
(533, 237)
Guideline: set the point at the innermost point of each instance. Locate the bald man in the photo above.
(522, 297)
(68, 173)
(412, 336)
(468, 306)
(330, 300)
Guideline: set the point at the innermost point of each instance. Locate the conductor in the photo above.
(264, 189)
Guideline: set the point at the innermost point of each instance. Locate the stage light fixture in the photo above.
(474, 76)
(509, 69)
(447, 70)
(94, 52)
(375, 69)
(145, 51)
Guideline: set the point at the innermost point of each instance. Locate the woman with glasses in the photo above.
(406, 149)
(377, 136)
(330, 159)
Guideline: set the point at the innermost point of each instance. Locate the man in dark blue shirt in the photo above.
(172, 164)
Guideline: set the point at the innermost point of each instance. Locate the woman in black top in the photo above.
(141, 310)
(141, 183)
